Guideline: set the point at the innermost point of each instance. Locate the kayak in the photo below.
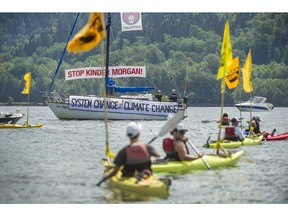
(235, 144)
(17, 126)
(151, 186)
(214, 161)
(282, 136)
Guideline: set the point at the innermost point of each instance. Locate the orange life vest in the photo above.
(137, 154)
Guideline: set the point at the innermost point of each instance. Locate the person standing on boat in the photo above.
(159, 95)
(164, 97)
(173, 96)
(135, 157)
(176, 148)
(234, 132)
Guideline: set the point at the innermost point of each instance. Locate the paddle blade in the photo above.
(172, 122)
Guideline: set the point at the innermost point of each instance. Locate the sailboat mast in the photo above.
(107, 50)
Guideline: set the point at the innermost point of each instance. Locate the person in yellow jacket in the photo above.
(165, 97)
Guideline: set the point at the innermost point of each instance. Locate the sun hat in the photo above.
(133, 129)
(235, 119)
(258, 117)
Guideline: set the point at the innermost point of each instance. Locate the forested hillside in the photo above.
(172, 46)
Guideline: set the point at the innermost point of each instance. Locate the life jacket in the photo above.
(137, 154)
(225, 121)
(168, 145)
(230, 133)
(137, 160)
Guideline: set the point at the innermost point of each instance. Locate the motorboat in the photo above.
(10, 117)
(257, 104)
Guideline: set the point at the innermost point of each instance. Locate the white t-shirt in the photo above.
(238, 133)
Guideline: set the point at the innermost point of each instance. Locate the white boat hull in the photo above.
(255, 108)
(62, 111)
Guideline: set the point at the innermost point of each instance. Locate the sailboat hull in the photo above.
(62, 111)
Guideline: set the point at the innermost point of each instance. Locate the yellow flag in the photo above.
(226, 53)
(89, 36)
(233, 78)
(247, 74)
(27, 78)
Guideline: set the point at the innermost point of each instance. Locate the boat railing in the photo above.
(53, 97)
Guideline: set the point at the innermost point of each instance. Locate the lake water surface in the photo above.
(61, 162)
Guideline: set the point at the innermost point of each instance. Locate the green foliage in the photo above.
(172, 46)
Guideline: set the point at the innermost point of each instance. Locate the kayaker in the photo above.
(234, 132)
(176, 148)
(225, 120)
(255, 124)
(135, 157)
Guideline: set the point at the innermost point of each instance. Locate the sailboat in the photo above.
(125, 107)
(26, 90)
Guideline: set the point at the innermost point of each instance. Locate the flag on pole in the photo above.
(233, 78)
(27, 78)
(89, 36)
(131, 21)
(226, 53)
(247, 74)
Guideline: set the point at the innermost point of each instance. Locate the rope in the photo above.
(63, 53)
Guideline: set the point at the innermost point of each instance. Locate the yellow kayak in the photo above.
(235, 144)
(18, 126)
(151, 186)
(214, 161)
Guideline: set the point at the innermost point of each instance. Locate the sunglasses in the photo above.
(182, 132)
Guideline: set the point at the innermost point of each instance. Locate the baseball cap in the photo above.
(235, 119)
(180, 127)
(133, 129)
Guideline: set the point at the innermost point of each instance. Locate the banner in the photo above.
(117, 105)
(114, 72)
(226, 53)
(233, 78)
(27, 78)
(247, 74)
(131, 21)
(89, 36)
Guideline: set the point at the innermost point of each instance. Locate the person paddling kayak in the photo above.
(135, 157)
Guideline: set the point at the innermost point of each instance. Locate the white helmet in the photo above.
(133, 129)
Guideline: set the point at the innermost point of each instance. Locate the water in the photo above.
(61, 162)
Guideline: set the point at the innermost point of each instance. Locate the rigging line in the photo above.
(165, 67)
(63, 53)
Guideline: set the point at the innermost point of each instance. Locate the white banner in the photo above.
(131, 21)
(117, 105)
(114, 72)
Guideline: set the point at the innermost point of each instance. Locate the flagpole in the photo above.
(27, 123)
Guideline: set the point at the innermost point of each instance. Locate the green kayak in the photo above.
(151, 186)
(235, 144)
(215, 161)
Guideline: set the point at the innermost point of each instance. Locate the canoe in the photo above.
(151, 186)
(235, 144)
(17, 126)
(215, 161)
(282, 136)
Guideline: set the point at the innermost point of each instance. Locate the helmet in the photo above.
(133, 129)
